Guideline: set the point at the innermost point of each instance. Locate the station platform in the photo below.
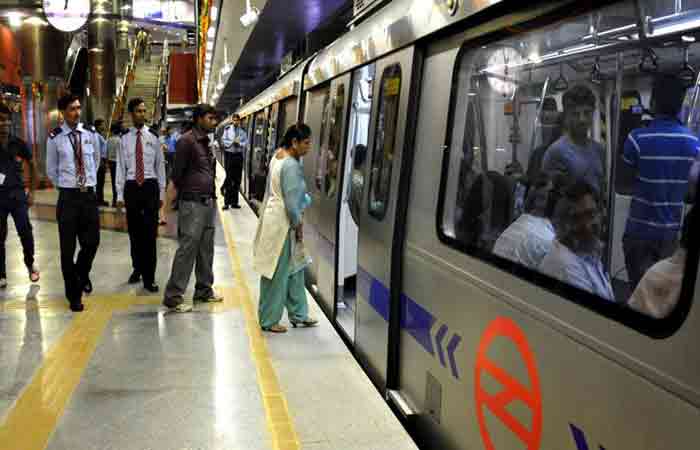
(125, 375)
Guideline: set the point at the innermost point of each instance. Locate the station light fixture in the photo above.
(251, 16)
(15, 18)
(213, 13)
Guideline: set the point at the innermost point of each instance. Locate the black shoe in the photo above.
(77, 306)
(226, 207)
(87, 286)
(236, 206)
(134, 278)
(151, 287)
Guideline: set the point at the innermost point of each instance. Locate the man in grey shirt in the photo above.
(574, 156)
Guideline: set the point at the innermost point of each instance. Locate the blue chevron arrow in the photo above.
(580, 438)
(439, 337)
(451, 347)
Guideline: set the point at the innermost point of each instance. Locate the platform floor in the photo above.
(124, 375)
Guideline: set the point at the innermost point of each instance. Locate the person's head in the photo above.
(186, 126)
(5, 123)
(100, 126)
(69, 105)
(115, 129)
(204, 117)
(667, 95)
(537, 200)
(137, 109)
(578, 219)
(236, 120)
(579, 106)
(297, 140)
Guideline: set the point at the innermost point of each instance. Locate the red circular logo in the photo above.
(513, 389)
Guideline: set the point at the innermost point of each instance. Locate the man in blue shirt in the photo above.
(662, 154)
(235, 141)
(72, 158)
(100, 129)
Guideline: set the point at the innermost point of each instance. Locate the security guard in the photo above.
(72, 158)
(235, 141)
(14, 200)
(141, 186)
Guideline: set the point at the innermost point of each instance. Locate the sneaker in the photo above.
(181, 308)
(213, 298)
(34, 273)
(3, 283)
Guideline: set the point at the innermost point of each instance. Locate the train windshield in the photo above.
(572, 150)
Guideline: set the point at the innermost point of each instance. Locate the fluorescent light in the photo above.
(210, 45)
(35, 21)
(213, 13)
(15, 19)
(126, 7)
(212, 32)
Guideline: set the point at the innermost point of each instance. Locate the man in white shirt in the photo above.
(141, 186)
(235, 141)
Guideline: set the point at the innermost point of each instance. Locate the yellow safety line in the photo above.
(279, 421)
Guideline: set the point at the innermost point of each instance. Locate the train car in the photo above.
(434, 123)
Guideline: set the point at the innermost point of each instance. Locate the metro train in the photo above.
(428, 119)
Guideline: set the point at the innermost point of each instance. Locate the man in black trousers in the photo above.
(235, 141)
(72, 159)
(141, 186)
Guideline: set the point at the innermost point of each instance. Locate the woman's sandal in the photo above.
(307, 323)
(275, 329)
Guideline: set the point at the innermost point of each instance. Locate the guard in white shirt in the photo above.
(235, 141)
(72, 158)
(141, 186)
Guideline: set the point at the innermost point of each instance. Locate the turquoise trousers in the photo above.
(283, 290)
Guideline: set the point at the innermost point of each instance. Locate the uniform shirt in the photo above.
(585, 272)
(60, 157)
(526, 241)
(575, 163)
(194, 167)
(11, 169)
(662, 154)
(153, 161)
(231, 134)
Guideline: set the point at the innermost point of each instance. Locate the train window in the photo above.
(385, 136)
(321, 156)
(568, 158)
(332, 164)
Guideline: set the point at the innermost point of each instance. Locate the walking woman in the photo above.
(278, 249)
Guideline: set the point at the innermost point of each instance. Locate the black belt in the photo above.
(82, 190)
(195, 197)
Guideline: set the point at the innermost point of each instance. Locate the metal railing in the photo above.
(122, 91)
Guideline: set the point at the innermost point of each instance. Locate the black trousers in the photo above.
(234, 171)
(78, 220)
(113, 177)
(142, 206)
(101, 175)
(15, 204)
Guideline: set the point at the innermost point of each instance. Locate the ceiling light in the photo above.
(15, 19)
(251, 15)
(212, 32)
(210, 45)
(35, 21)
(125, 7)
(213, 13)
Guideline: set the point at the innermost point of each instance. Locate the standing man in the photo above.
(15, 200)
(235, 141)
(113, 144)
(141, 185)
(662, 155)
(193, 179)
(100, 132)
(72, 157)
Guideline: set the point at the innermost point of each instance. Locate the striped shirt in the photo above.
(662, 154)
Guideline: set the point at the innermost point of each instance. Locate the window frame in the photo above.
(324, 125)
(619, 312)
(380, 216)
(336, 124)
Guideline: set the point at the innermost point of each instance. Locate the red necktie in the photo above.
(139, 159)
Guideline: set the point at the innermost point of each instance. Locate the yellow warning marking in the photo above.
(279, 421)
(36, 413)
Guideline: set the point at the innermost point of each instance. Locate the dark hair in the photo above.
(134, 103)
(667, 93)
(65, 101)
(202, 110)
(577, 96)
(186, 126)
(299, 131)
(116, 128)
(98, 122)
(4, 109)
(537, 199)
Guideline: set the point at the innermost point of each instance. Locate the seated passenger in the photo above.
(574, 156)
(660, 288)
(662, 155)
(575, 257)
(529, 239)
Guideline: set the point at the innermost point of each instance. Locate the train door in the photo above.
(246, 123)
(377, 216)
(316, 112)
(354, 158)
(259, 156)
(328, 166)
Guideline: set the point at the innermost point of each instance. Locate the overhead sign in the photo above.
(513, 390)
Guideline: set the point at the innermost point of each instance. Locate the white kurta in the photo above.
(273, 226)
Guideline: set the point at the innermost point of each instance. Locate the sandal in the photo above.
(307, 323)
(275, 329)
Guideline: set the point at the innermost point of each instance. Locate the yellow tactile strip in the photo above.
(279, 421)
(33, 418)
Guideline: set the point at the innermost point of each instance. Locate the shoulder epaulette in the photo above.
(153, 131)
(124, 132)
(55, 132)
